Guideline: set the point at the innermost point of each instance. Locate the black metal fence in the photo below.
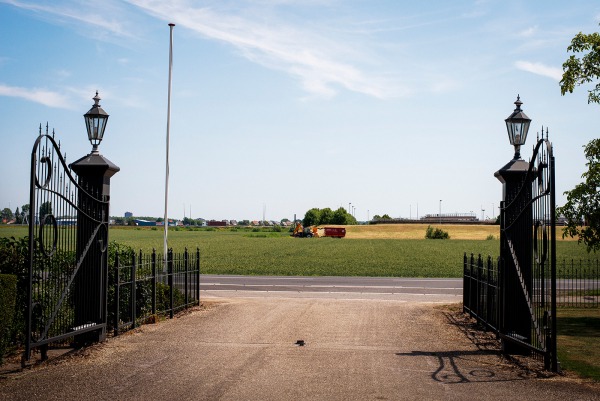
(578, 286)
(142, 287)
(481, 292)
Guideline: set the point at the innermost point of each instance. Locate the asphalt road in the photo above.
(386, 288)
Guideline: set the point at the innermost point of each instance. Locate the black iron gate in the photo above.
(528, 260)
(68, 227)
(516, 297)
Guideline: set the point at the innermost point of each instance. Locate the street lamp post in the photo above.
(517, 320)
(440, 211)
(93, 196)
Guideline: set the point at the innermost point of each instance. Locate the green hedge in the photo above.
(8, 296)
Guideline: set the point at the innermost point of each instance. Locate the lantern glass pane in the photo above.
(510, 129)
(525, 130)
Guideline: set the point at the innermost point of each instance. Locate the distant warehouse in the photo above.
(139, 222)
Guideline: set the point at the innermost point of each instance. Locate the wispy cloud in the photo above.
(540, 69)
(528, 32)
(86, 14)
(317, 60)
(42, 96)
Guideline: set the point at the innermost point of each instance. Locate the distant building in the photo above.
(172, 223)
(66, 221)
(143, 223)
(128, 215)
(215, 223)
(450, 218)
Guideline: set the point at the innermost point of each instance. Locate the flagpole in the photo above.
(166, 218)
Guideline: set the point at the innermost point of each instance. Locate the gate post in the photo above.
(518, 220)
(94, 172)
(516, 238)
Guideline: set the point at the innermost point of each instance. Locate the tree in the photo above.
(582, 210)
(18, 217)
(579, 71)
(317, 216)
(326, 216)
(45, 209)
(312, 217)
(25, 213)
(7, 214)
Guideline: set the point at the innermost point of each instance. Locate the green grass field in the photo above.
(230, 251)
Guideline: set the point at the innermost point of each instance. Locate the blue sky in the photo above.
(285, 105)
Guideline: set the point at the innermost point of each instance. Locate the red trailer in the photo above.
(336, 232)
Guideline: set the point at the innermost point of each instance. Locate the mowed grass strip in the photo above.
(577, 342)
(245, 252)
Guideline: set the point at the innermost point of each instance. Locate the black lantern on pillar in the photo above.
(517, 125)
(95, 123)
(94, 172)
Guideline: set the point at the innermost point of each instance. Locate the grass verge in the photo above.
(578, 338)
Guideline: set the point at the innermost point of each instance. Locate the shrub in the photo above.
(14, 259)
(163, 297)
(489, 237)
(436, 233)
(8, 297)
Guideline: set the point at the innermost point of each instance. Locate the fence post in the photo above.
(185, 262)
(133, 297)
(465, 284)
(117, 294)
(501, 275)
(488, 300)
(170, 278)
(479, 286)
(198, 275)
(472, 306)
(153, 281)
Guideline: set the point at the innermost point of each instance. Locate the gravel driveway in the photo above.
(250, 349)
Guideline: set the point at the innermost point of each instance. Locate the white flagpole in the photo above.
(166, 218)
